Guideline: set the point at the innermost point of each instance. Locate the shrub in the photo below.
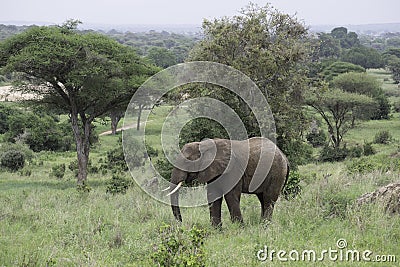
(58, 171)
(292, 187)
(382, 137)
(4, 147)
(13, 160)
(396, 106)
(180, 247)
(368, 149)
(135, 156)
(73, 167)
(355, 152)
(370, 164)
(151, 151)
(116, 159)
(333, 154)
(334, 204)
(118, 184)
(39, 132)
(298, 152)
(316, 138)
(164, 167)
(5, 113)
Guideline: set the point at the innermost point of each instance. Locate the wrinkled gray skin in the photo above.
(267, 193)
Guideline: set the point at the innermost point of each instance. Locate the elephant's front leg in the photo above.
(232, 199)
(214, 198)
(215, 212)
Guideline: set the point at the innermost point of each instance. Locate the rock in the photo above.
(389, 195)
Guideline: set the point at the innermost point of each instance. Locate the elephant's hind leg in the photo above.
(267, 206)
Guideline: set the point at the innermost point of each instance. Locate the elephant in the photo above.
(254, 166)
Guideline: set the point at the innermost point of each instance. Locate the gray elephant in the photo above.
(254, 166)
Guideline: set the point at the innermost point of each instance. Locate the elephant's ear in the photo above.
(220, 161)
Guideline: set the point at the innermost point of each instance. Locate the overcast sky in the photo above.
(312, 12)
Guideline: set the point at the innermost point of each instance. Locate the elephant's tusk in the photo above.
(166, 189)
(176, 189)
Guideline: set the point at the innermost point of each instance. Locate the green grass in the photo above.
(47, 222)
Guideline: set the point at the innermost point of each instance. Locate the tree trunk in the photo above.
(115, 118)
(82, 144)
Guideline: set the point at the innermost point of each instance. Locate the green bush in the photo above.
(335, 203)
(5, 113)
(135, 155)
(28, 153)
(40, 132)
(374, 163)
(118, 184)
(13, 160)
(58, 171)
(355, 152)
(368, 149)
(330, 154)
(292, 187)
(298, 152)
(316, 138)
(164, 168)
(73, 167)
(151, 151)
(396, 106)
(382, 137)
(180, 247)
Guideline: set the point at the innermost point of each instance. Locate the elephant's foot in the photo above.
(216, 222)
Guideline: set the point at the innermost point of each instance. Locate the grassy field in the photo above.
(45, 221)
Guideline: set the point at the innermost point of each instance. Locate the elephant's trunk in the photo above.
(177, 178)
(175, 206)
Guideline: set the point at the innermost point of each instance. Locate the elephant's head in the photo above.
(200, 161)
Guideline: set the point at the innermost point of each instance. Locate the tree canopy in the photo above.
(85, 75)
(336, 108)
(269, 47)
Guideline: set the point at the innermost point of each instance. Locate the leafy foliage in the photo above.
(373, 163)
(317, 138)
(363, 56)
(85, 75)
(336, 68)
(180, 247)
(336, 108)
(12, 160)
(58, 171)
(382, 137)
(270, 47)
(362, 83)
(118, 184)
(292, 187)
(164, 167)
(331, 154)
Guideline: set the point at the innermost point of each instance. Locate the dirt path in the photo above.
(118, 130)
(123, 128)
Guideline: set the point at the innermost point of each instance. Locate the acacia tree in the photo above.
(269, 47)
(85, 75)
(362, 83)
(336, 108)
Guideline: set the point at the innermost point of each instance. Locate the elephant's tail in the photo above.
(287, 176)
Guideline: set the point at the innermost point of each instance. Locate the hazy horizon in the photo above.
(180, 12)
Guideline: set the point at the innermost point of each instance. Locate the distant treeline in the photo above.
(163, 48)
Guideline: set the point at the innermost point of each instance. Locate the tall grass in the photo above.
(45, 221)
